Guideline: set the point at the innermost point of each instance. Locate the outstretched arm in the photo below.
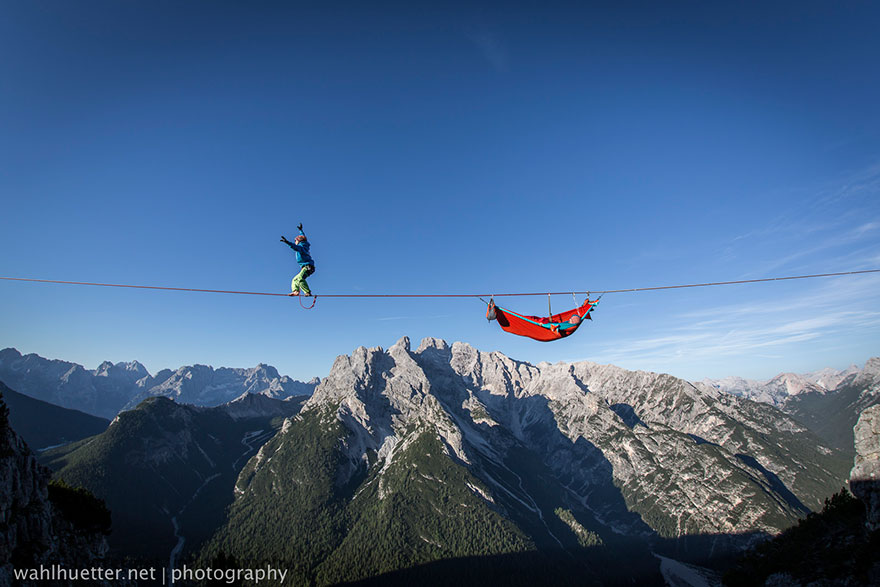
(293, 246)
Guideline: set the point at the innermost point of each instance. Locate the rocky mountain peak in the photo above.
(9, 354)
(402, 344)
(862, 389)
(131, 371)
(830, 378)
(255, 405)
(263, 371)
(782, 389)
(870, 373)
(378, 393)
(430, 342)
(618, 419)
(789, 384)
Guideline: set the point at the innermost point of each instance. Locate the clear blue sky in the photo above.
(441, 148)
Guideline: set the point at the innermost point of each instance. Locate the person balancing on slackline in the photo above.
(301, 245)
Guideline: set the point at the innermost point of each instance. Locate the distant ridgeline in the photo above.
(828, 402)
(112, 388)
(43, 425)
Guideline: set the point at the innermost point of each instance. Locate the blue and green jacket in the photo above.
(302, 252)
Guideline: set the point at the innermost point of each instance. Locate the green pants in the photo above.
(299, 284)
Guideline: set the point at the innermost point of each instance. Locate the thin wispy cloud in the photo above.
(818, 229)
(492, 49)
(860, 182)
(756, 326)
(743, 339)
(866, 228)
(834, 292)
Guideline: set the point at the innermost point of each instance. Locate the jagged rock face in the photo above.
(687, 460)
(22, 488)
(31, 531)
(128, 372)
(831, 378)
(403, 457)
(865, 475)
(788, 384)
(871, 371)
(867, 381)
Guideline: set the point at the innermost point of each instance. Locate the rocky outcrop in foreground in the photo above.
(42, 525)
(865, 476)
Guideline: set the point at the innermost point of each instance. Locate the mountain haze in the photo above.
(833, 415)
(101, 392)
(112, 388)
(828, 402)
(43, 425)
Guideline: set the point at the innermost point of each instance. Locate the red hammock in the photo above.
(543, 329)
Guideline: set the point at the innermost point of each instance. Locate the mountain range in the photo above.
(112, 388)
(403, 458)
(446, 463)
(779, 389)
(828, 402)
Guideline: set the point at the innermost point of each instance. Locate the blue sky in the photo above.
(441, 148)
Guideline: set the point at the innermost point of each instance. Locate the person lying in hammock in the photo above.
(541, 328)
(301, 245)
